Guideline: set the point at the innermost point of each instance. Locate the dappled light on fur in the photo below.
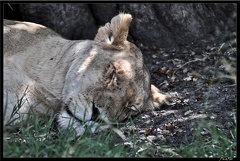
(87, 62)
(27, 26)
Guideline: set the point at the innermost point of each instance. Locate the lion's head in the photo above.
(126, 89)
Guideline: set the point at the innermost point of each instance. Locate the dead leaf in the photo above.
(148, 131)
(169, 126)
(200, 97)
(160, 72)
(208, 81)
(171, 85)
(211, 80)
(168, 72)
(195, 76)
(156, 48)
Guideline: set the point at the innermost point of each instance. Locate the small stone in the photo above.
(229, 113)
(229, 124)
(154, 113)
(148, 121)
(192, 53)
(141, 131)
(194, 79)
(189, 78)
(188, 112)
(163, 68)
(154, 56)
(129, 144)
(213, 116)
(185, 52)
(145, 116)
(180, 130)
(185, 70)
(204, 132)
(208, 48)
(162, 51)
(165, 55)
(151, 137)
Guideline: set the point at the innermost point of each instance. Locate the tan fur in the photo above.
(55, 76)
(117, 31)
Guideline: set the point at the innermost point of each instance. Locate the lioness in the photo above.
(49, 75)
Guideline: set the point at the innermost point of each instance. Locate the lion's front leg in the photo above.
(77, 115)
(158, 97)
(67, 121)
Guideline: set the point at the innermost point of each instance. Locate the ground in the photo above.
(200, 114)
(202, 84)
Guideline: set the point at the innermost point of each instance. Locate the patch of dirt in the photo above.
(201, 83)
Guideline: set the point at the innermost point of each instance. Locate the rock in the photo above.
(204, 132)
(103, 13)
(71, 20)
(155, 113)
(208, 48)
(185, 51)
(145, 116)
(141, 131)
(188, 112)
(151, 138)
(154, 56)
(154, 26)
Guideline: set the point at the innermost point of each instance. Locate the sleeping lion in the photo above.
(45, 74)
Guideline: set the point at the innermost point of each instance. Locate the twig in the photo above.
(231, 85)
(198, 89)
(196, 59)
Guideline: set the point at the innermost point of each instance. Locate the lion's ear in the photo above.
(114, 35)
(110, 78)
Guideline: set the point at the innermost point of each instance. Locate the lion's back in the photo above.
(20, 35)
